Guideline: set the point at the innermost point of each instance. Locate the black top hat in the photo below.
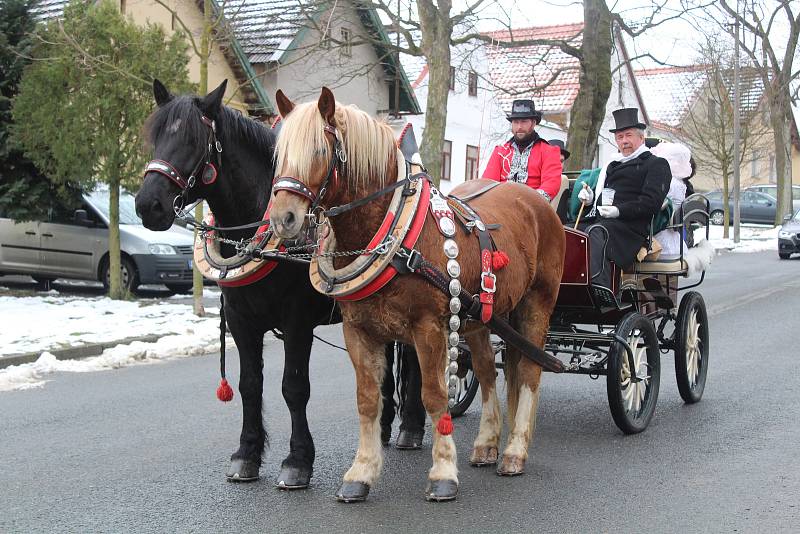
(627, 118)
(561, 146)
(524, 109)
(650, 142)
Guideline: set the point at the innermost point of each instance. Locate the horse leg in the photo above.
(246, 461)
(412, 424)
(297, 467)
(387, 393)
(532, 318)
(431, 344)
(484, 450)
(368, 363)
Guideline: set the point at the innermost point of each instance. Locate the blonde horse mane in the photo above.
(368, 143)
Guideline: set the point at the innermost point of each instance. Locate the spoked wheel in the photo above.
(467, 384)
(633, 390)
(691, 347)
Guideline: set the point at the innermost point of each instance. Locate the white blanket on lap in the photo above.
(699, 258)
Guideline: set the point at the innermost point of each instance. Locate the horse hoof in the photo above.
(386, 434)
(353, 492)
(293, 478)
(242, 471)
(483, 456)
(441, 490)
(409, 440)
(511, 466)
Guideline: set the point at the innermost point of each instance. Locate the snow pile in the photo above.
(753, 238)
(50, 321)
(198, 341)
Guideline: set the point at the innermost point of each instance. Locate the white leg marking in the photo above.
(369, 457)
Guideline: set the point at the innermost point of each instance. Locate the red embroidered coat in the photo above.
(544, 166)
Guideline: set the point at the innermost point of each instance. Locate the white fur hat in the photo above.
(678, 157)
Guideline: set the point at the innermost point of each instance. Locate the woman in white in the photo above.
(678, 156)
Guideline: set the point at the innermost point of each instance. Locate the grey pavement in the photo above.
(144, 448)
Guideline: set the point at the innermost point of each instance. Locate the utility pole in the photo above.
(397, 66)
(737, 132)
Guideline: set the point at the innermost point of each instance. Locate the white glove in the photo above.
(608, 212)
(586, 196)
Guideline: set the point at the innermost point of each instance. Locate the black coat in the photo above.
(640, 187)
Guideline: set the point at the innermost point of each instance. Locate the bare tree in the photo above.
(774, 60)
(708, 125)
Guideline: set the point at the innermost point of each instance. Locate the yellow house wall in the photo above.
(143, 11)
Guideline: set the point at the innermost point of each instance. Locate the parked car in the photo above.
(772, 190)
(74, 244)
(754, 207)
(789, 236)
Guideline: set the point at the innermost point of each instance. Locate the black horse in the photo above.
(180, 133)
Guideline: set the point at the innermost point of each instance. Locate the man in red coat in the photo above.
(526, 158)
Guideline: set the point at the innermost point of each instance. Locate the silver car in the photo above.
(74, 244)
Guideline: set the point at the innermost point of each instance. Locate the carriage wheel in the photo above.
(691, 347)
(467, 385)
(633, 403)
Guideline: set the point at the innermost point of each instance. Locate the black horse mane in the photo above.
(231, 125)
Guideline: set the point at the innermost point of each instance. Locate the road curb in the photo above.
(74, 353)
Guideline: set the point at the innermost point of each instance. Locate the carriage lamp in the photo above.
(161, 249)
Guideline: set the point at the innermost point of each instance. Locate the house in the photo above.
(693, 105)
(301, 47)
(475, 120)
(266, 45)
(550, 76)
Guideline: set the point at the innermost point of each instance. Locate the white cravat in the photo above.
(601, 178)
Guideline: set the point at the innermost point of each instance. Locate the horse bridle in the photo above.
(293, 185)
(209, 169)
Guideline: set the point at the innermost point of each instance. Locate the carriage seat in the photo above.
(561, 189)
(659, 266)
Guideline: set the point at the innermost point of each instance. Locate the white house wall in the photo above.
(471, 120)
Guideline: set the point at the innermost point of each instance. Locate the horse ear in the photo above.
(285, 106)
(213, 100)
(161, 93)
(327, 105)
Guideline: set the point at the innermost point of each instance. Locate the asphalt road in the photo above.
(144, 448)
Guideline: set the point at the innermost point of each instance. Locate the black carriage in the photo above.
(621, 333)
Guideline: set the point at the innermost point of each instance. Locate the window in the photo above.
(795, 193)
(472, 163)
(447, 158)
(347, 43)
(756, 155)
(713, 109)
(473, 83)
(452, 78)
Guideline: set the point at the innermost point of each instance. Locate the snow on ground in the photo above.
(48, 321)
(752, 238)
(196, 341)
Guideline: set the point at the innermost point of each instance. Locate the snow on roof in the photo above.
(266, 28)
(517, 71)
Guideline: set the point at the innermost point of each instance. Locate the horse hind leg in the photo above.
(484, 450)
(297, 467)
(368, 360)
(431, 344)
(532, 319)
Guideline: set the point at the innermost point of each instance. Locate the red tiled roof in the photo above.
(521, 71)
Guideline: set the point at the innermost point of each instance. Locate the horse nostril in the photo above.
(288, 220)
(155, 206)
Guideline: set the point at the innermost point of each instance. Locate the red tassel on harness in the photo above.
(224, 391)
(445, 425)
(499, 260)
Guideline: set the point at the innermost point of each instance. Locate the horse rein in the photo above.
(209, 169)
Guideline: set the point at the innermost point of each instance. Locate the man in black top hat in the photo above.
(526, 158)
(630, 191)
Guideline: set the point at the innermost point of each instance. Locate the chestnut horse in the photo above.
(408, 308)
